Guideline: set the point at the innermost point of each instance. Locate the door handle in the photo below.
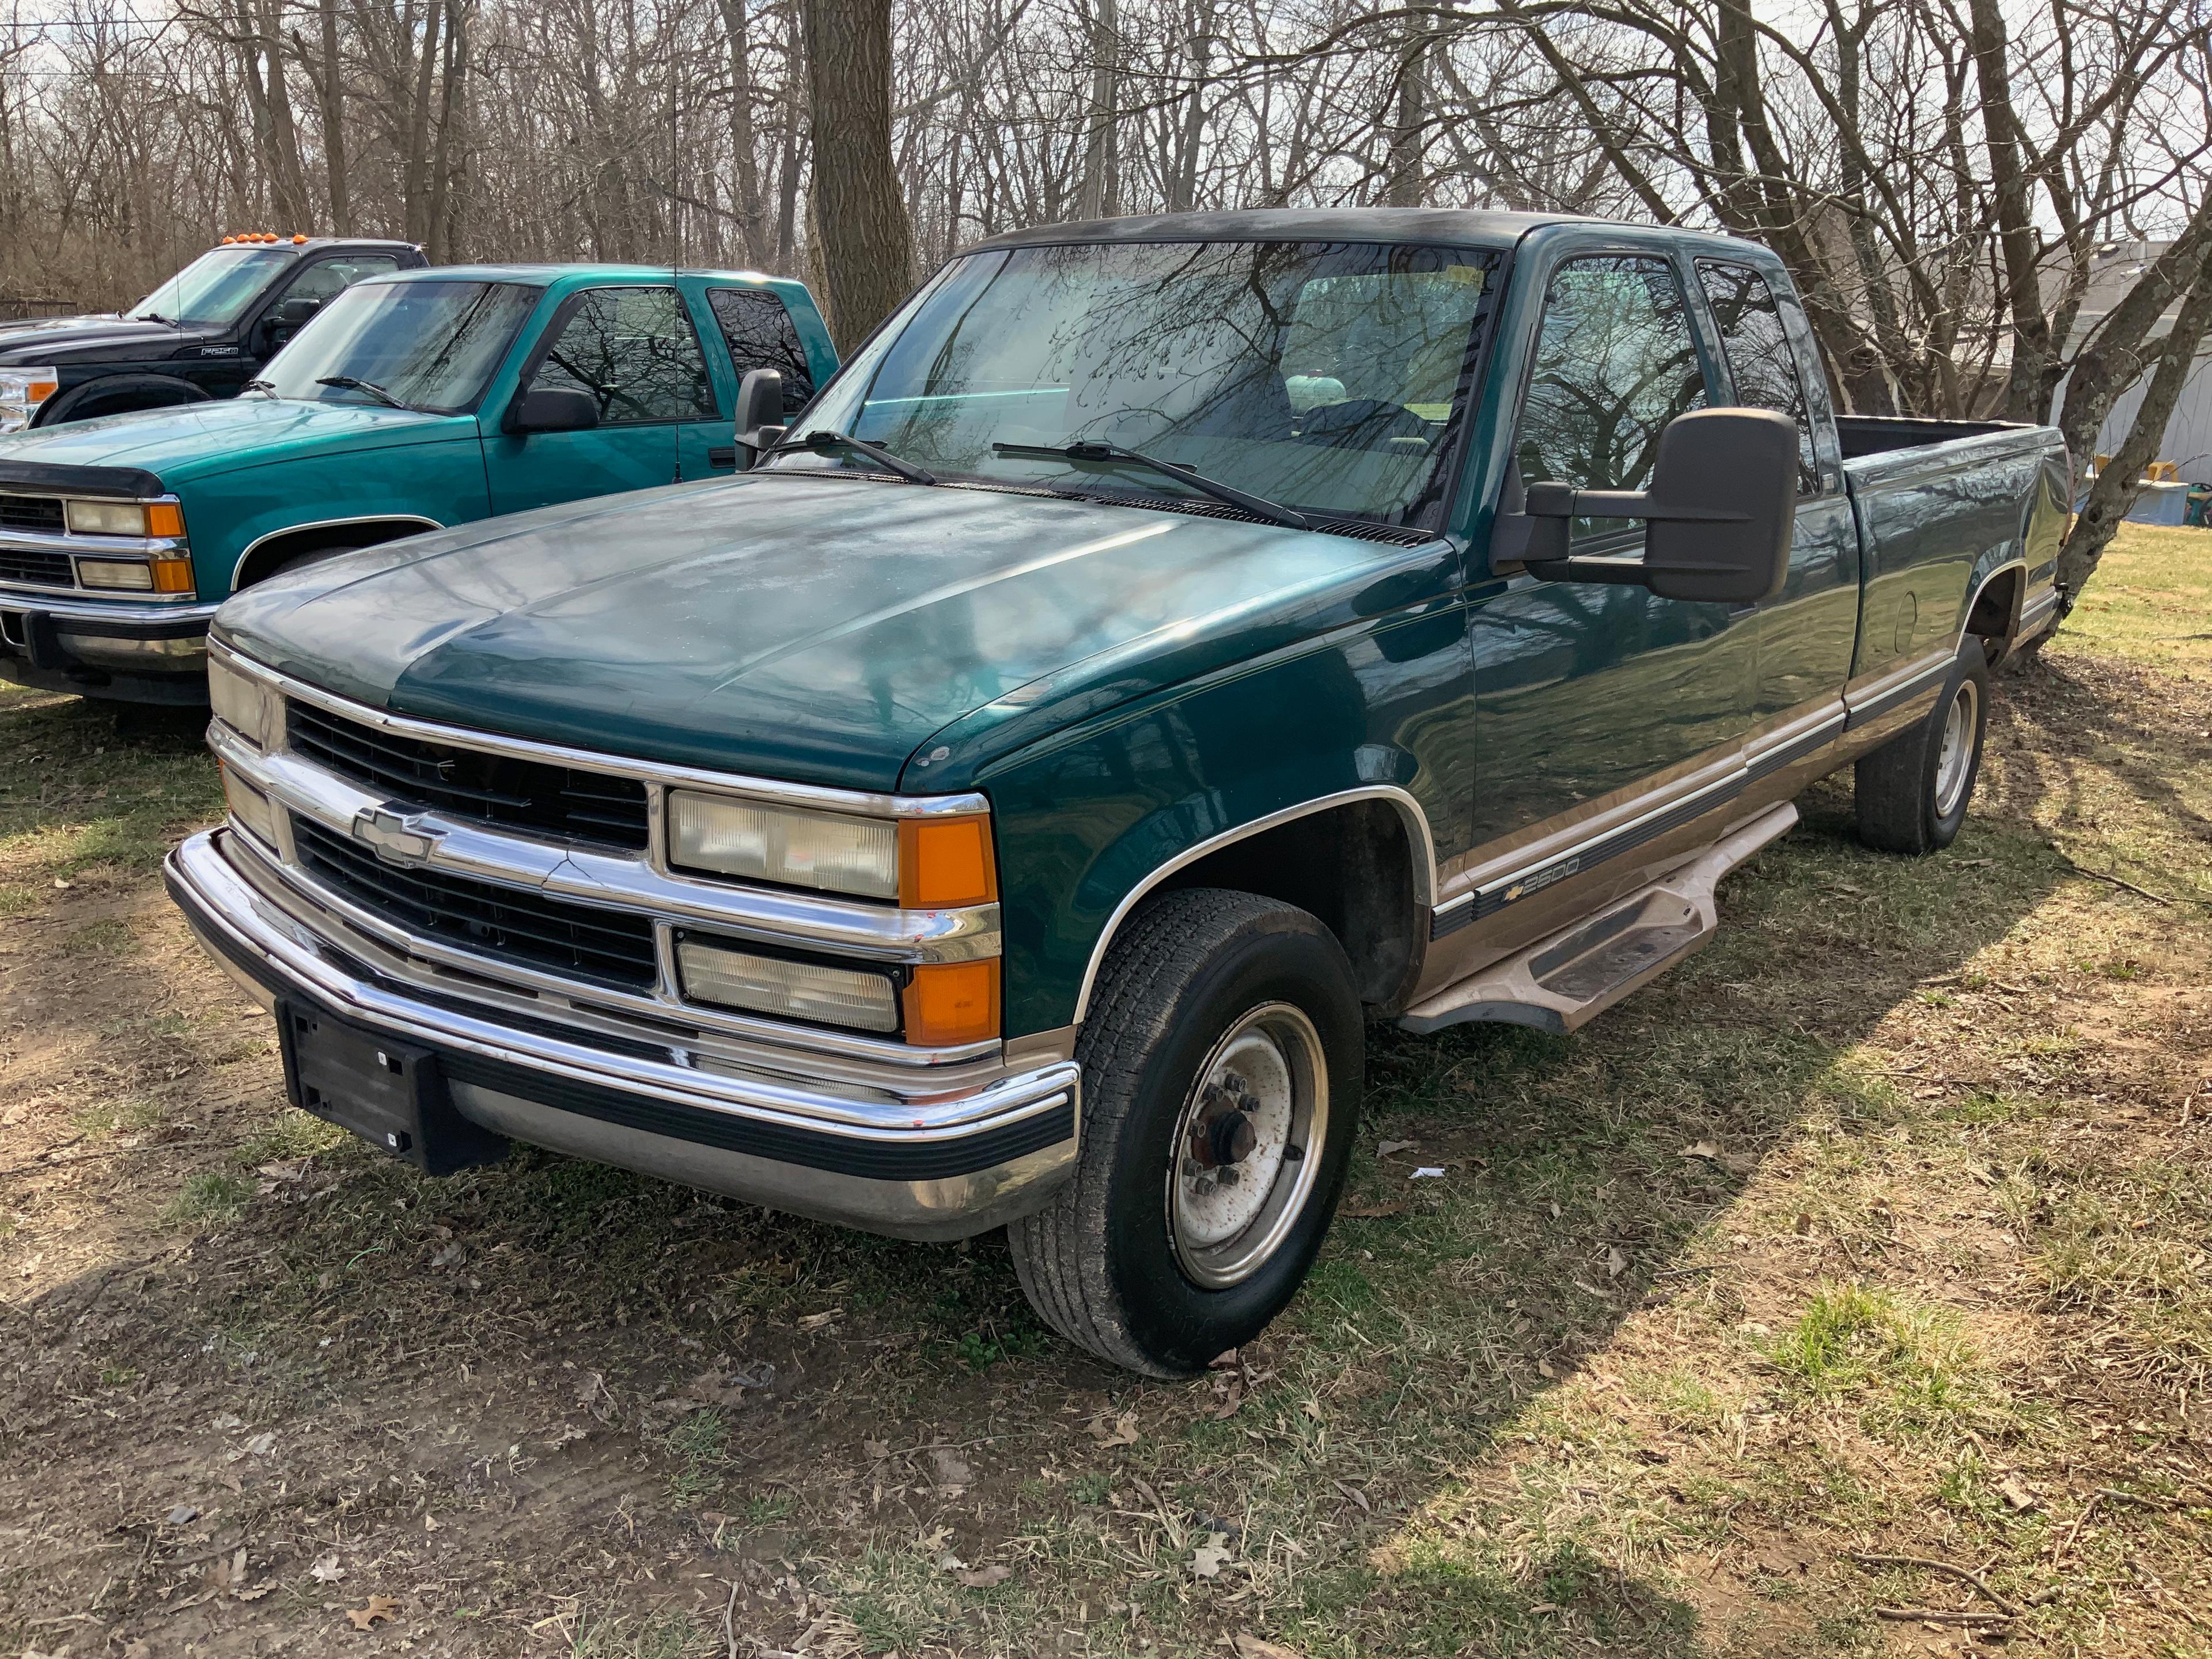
(722, 455)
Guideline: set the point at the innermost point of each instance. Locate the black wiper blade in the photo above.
(156, 316)
(347, 383)
(1220, 492)
(259, 385)
(882, 457)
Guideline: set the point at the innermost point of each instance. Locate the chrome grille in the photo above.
(468, 783)
(42, 513)
(615, 947)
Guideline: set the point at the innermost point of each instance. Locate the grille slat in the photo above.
(468, 783)
(613, 946)
(19, 564)
(30, 513)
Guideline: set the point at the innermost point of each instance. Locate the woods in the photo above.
(1940, 179)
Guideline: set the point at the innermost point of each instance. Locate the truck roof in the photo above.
(1448, 227)
(543, 275)
(1428, 225)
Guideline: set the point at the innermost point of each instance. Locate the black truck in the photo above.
(202, 334)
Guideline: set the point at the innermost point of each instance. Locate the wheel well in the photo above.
(1996, 615)
(263, 558)
(1351, 866)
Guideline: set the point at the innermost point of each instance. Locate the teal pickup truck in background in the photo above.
(1168, 645)
(407, 404)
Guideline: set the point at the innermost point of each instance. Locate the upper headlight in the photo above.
(107, 518)
(247, 705)
(21, 391)
(830, 853)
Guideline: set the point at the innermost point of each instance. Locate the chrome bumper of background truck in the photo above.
(889, 1153)
(63, 642)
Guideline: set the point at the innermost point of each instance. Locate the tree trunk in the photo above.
(1102, 158)
(330, 86)
(441, 247)
(1403, 188)
(858, 206)
(2017, 241)
(752, 216)
(2116, 487)
(287, 184)
(416, 202)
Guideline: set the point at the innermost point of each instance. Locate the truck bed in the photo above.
(1877, 434)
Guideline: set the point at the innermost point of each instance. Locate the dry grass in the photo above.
(1940, 1290)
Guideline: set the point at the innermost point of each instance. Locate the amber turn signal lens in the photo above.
(943, 862)
(164, 519)
(172, 575)
(949, 1002)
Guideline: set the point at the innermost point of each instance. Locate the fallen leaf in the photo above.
(227, 1575)
(815, 1321)
(379, 1608)
(1121, 1431)
(1354, 1494)
(2015, 1494)
(1209, 1558)
(949, 1562)
(261, 1445)
(326, 1571)
(1390, 1148)
(951, 1469)
(1251, 1647)
(1232, 1396)
(430, 1521)
(1704, 1149)
(983, 1577)
(256, 1593)
(1427, 1171)
(875, 1451)
(447, 1257)
(1544, 1369)
(1615, 1263)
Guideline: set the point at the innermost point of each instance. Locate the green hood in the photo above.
(813, 628)
(197, 440)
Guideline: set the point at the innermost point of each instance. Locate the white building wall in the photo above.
(2188, 434)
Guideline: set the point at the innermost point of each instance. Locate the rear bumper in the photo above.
(143, 653)
(889, 1154)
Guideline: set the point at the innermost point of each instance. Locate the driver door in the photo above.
(636, 350)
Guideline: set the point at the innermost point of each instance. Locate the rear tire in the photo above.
(1911, 793)
(1222, 1068)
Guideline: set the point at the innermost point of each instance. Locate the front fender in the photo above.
(1087, 823)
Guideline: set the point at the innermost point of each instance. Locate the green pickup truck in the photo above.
(406, 403)
(1167, 645)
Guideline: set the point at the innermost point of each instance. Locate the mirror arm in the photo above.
(762, 438)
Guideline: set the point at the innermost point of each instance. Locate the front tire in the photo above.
(1221, 1070)
(1911, 793)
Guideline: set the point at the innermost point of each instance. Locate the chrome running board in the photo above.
(1562, 982)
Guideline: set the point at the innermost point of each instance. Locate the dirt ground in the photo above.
(1845, 1292)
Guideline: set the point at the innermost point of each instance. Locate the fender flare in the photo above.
(1421, 842)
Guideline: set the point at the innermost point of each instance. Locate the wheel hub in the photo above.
(1241, 1176)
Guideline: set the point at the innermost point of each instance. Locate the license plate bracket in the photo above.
(388, 1091)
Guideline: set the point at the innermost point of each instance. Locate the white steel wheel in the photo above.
(1241, 1175)
(1954, 761)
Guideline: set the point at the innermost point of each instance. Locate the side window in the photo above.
(759, 332)
(1614, 363)
(1760, 359)
(635, 349)
(325, 279)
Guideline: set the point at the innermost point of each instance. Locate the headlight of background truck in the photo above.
(244, 703)
(21, 391)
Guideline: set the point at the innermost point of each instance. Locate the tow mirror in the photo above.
(292, 313)
(1721, 508)
(760, 410)
(555, 409)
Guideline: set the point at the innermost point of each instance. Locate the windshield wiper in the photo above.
(156, 316)
(347, 383)
(269, 387)
(882, 457)
(1198, 481)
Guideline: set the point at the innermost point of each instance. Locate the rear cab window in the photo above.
(757, 326)
(1614, 362)
(1760, 359)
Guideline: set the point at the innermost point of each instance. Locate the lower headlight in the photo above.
(251, 808)
(776, 986)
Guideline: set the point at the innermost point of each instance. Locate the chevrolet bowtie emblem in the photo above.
(396, 836)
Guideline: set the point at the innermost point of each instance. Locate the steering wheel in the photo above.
(1361, 423)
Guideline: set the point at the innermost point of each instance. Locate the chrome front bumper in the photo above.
(912, 1152)
(61, 641)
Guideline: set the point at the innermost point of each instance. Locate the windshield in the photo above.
(1327, 377)
(215, 288)
(429, 345)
